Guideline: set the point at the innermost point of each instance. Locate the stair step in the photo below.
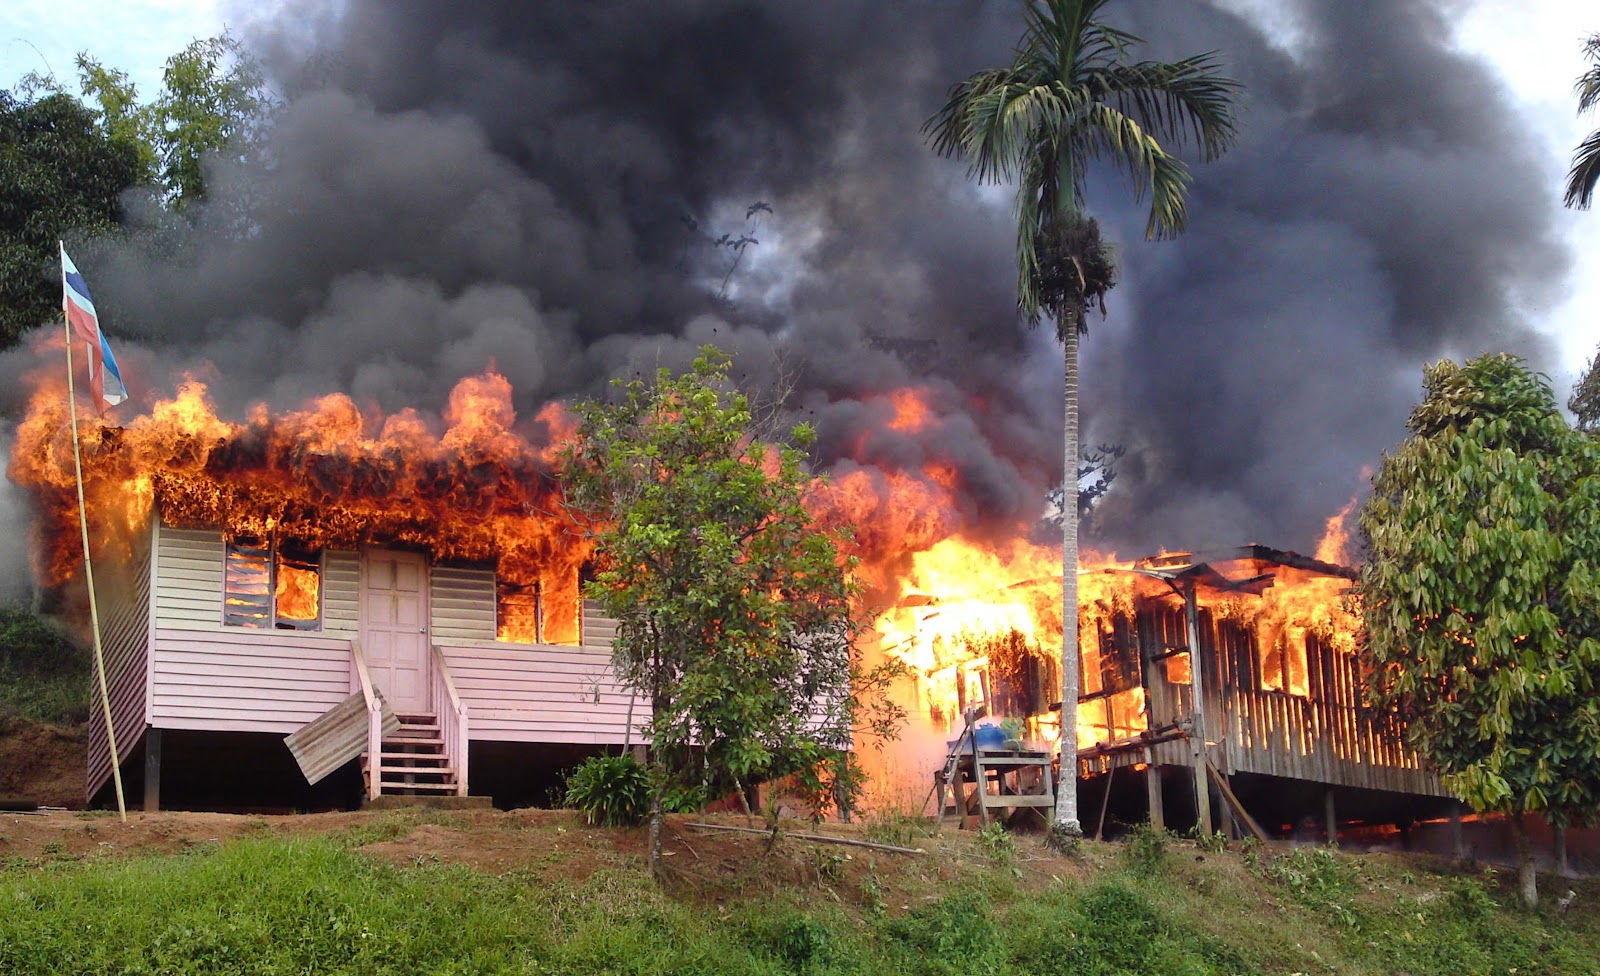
(419, 770)
(432, 788)
(410, 741)
(406, 729)
(414, 756)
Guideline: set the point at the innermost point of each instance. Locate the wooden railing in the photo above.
(374, 719)
(452, 719)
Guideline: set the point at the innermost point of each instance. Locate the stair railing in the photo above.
(452, 719)
(374, 720)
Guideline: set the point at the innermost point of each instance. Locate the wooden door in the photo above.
(394, 628)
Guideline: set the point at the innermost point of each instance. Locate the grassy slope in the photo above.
(337, 903)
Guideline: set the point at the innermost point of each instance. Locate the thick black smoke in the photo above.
(541, 186)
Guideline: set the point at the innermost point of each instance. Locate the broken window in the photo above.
(272, 585)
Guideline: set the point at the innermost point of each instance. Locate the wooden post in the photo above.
(1197, 731)
(152, 770)
(1105, 801)
(979, 787)
(1331, 816)
(1152, 787)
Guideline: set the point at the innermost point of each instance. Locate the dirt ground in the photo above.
(42, 763)
(705, 866)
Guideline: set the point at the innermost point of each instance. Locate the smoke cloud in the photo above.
(542, 187)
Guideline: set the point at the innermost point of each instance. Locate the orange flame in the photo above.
(324, 476)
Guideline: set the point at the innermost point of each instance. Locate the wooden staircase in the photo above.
(413, 761)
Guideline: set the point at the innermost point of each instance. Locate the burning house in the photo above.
(1264, 639)
(258, 577)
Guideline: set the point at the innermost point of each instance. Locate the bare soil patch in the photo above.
(43, 763)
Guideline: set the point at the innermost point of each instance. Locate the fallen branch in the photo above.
(817, 838)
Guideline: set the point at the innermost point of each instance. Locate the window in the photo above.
(516, 611)
(272, 585)
(542, 611)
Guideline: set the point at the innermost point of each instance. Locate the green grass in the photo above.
(265, 905)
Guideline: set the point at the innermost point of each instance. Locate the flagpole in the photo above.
(88, 570)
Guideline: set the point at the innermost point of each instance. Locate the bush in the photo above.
(613, 791)
(1144, 851)
(44, 674)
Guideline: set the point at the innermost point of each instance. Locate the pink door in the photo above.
(394, 628)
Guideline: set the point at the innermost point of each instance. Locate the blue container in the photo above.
(990, 736)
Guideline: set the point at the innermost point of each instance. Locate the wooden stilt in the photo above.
(1105, 801)
(1197, 732)
(152, 770)
(1152, 787)
(1458, 845)
(1331, 817)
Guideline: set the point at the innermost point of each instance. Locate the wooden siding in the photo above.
(1321, 736)
(541, 693)
(189, 566)
(341, 592)
(123, 593)
(189, 579)
(598, 630)
(240, 680)
(463, 604)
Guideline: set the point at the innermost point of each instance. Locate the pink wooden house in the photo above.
(217, 650)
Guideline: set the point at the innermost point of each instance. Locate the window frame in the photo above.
(274, 623)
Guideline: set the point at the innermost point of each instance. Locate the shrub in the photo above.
(613, 791)
(1145, 849)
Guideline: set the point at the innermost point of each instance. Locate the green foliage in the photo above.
(1480, 592)
(1071, 95)
(1144, 850)
(66, 165)
(213, 100)
(60, 177)
(1111, 930)
(997, 842)
(953, 935)
(1318, 876)
(613, 791)
(733, 608)
(44, 674)
(280, 906)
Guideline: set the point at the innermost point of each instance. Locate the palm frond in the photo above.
(1585, 174)
(1588, 86)
(1183, 102)
(1154, 172)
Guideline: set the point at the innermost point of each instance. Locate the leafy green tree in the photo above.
(61, 176)
(1481, 595)
(733, 608)
(213, 100)
(1585, 173)
(1071, 95)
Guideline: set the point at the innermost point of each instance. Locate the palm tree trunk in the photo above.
(1064, 827)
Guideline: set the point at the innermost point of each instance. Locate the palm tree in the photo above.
(1586, 161)
(1071, 95)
